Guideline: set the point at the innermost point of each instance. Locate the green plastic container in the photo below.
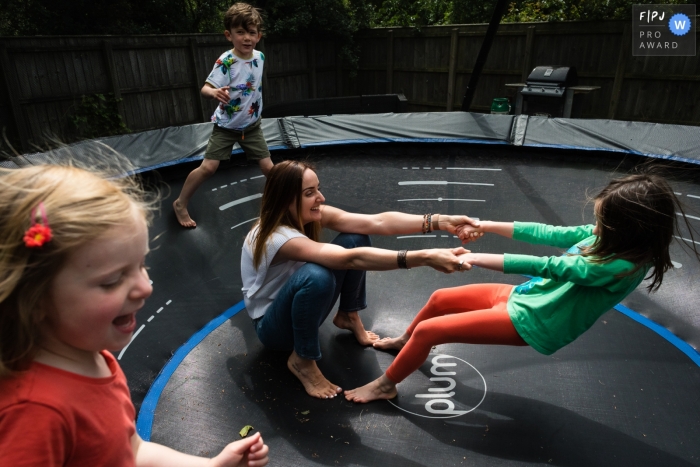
(500, 105)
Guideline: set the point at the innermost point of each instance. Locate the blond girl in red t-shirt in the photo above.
(72, 278)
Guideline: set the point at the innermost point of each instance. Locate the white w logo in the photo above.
(680, 25)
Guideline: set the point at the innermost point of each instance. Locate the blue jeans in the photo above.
(306, 299)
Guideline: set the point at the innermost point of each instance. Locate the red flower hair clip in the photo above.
(38, 233)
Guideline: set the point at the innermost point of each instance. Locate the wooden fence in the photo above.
(158, 78)
(432, 67)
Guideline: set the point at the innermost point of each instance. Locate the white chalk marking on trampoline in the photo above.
(415, 168)
(688, 216)
(244, 222)
(405, 168)
(677, 194)
(442, 199)
(244, 180)
(214, 189)
(132, 340)
(224, 186)
(471, 168)
(438, 168)
(426, 168)
(151, 318)
(239, 201)
(676, 265)
(416, 236)
(693, 196)
(151, 282)
(257, 176)
(445, 236)
(168, 302)
(233, 183)
(442, 182)
(686, 239)
(159, 310)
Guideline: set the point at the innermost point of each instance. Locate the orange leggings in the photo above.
(470, 314)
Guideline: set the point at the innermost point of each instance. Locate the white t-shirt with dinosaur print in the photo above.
(244, 78)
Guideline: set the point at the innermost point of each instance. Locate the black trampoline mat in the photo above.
(619, 395)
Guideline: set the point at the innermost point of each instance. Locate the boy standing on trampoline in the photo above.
(236, 82)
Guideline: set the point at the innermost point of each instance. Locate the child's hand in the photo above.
(466, 260)
(453, 223)
(248, 452)
(221, 94)
(468, 233)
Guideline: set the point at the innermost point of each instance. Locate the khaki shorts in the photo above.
(251, 140)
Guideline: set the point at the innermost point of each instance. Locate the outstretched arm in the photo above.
(467, 232)
(389, 223)
(248, 452)
(366, 258)
(483, 260)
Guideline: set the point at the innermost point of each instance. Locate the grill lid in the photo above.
(560, 76)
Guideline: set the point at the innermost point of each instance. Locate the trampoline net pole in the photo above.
(498, 12)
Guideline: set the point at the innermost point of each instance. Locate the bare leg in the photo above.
(314, 382)
(380, 388)
(265, 165)
(193, 181)
(351, 321)
(392, 343)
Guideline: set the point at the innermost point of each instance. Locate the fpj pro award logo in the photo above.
(663, 30)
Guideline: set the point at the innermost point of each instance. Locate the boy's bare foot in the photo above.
(352, 322)
(392, 343)
(314, 382)
(183, 217)
(380, 388)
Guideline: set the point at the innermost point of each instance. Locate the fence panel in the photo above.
(158, 78)
(659, 89)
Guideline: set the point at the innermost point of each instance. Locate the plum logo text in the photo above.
(440, 399)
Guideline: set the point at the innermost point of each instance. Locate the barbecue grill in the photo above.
(547, 91)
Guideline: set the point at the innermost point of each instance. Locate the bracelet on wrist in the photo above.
(427, 223)
(401, 259)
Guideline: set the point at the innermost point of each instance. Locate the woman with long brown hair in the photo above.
(291, 280)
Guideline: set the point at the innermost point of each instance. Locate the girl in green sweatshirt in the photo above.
(635, 223)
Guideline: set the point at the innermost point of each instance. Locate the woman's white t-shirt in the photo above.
(261, 285)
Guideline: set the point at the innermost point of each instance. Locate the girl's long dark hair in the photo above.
(283, 186)
(637, 218)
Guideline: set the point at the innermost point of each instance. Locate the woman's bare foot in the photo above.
(380, 388)
(392, 343)
(314, 382)
(351, 321)
(183, 217)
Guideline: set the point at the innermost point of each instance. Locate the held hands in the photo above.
(469, 233)
(448, 260)
(248, 452)
(466, 228)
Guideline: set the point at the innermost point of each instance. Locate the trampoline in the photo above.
(624, 393)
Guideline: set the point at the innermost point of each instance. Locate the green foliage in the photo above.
(335, 20)
(403, 13)
(286, 18)
(576, 10)
(79, 17)
(95, 116)
(408, 13)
